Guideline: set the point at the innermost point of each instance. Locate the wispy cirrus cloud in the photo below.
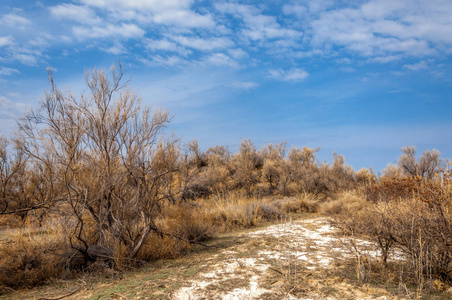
(117, 48)
(202, 44)
(165, 45)
(29, 53)
(166, 61)
(244, 85)
(382, 28)
(295, 9)
(422, 65)
(6, 40)
(8, 71)
(227, 33)
(257, 26)
(77, 13)
(175, 12)
(294, 75)
(238, 53)
(123, 30)
(14, 20)
(221, 59)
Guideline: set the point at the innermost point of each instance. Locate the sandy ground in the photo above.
(300, 259)
(293, 250)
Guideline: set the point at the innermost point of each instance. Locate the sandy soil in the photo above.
(300, 259)
(292, 250)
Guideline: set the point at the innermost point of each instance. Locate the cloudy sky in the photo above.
(362, 78)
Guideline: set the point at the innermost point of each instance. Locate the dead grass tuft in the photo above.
(345, 203)
(407, 216)
(30, 257)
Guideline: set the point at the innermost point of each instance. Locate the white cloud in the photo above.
(344, 60)
(183, 18)
(221, 59)
(380, 9)
(422, 65)
(347, 69)
(26, 59)
(8, 71)
(15, 21)
(382, 28)
(244, 85)
(258, 27)
(123, 30)
(316, 6)
(386, 59)
(80, 14)
(202, 44)
(381, 31)
(6, 41)
(26, 52)
(155, 5)
(169, 12)
(165, 45)
(290, 75)
(296, 9)
(238, 53)
(116, 49)
(167, 61)
(237, 9)
(38, 42)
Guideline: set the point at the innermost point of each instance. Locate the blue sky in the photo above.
(362, 78)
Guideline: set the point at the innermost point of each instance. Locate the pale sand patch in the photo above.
(310, 244)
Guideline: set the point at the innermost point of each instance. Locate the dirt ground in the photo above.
(294, 259)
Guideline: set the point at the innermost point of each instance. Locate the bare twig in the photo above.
(64, 296)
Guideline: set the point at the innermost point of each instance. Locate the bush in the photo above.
(411, 214)
(29, 257)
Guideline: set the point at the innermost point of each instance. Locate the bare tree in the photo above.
(247, 165)
(303, 157)
(427, 165)
(18, 193)
(273, 172)
(112, 164)
(218, 175)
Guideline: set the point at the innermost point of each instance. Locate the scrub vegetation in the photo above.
(95, 183)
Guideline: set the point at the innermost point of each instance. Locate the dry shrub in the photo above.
(301, 203)
(423, 231)
(394, 188)
(239, 212)
(10, 221)
(235, 214)
(266, 211)
(30, 257)
(179, 226)
(345, 203)
(236, 211)
(188, 221)
(411, 214)
(160, 246)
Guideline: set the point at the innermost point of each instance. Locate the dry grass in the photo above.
(30, 256)
(344, 202)
(236, 211)
(407, 216)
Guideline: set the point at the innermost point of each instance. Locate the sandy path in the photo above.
(303, 259)
(277, 265)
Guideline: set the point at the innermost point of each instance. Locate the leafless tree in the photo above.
(247, 165)
(427, 165)
(110, 160)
